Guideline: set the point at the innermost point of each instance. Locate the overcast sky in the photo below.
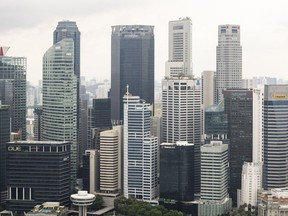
(27, 27)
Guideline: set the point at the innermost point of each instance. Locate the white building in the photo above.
(251, 182)
(247, 83)
(273, 202)
(228, 59)
(180, 48)
(208, 88)
(60, 98)
(139, 151)
(214, 180)
(110, 160)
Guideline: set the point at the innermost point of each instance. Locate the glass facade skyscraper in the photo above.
(13, 90)
(238, 105)
(132, 63)
(140, 151)
(59, 116)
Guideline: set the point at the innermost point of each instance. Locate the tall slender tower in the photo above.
(140, 151)
(181, 94)
(132, 63)
(13, 89)
(59, 114)
(228, 59)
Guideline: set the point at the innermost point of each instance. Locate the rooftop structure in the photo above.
(82, 199)
(48, 209)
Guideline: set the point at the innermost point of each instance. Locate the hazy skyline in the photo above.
(27, 27)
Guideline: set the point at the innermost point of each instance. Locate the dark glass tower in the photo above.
(132, 63)
(37, 172)
(238, 105)
(176, 173)
(4, 137)
(13, 90)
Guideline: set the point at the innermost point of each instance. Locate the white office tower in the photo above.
(208, 88)
(258, 97)
(180, 48)
(139, 151)
(214, 180)
(247, 83)
(110, 160)
(251, 181)
(60, 98)
(275, 133)
(228, 59)
(182, 115)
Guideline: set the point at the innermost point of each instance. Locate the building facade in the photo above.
(59, 114)
(4, 138)
(275, 133)
(13, 90)
(180, 48)
(208, 88)
(238, 105)
(132, 63)
(251, 182)
(37, 171)
(214, 180)
(139, 151)
(177, 173)
(228, 59)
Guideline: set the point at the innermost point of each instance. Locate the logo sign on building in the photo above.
(14, 148)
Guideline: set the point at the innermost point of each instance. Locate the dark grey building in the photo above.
(176, 174)
(37, 123)
(132, 63)
(13, 90)
(4, 137)
(275, 133)
(37, 172)
(238, 105)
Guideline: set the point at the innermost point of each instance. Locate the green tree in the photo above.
(97, 204)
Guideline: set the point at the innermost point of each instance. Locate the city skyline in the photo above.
(261, 23)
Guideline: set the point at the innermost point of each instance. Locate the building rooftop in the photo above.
(47, 208)
(39, 142)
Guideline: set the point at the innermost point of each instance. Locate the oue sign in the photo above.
(14, 148)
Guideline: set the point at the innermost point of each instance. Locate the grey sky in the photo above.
(27, 27)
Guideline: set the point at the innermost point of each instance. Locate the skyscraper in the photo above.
(37, 171)
(180, 48)
(59, 116)
(214, 179)
(13, 89)
(238, 105)
(132, 63)
(275, 133)
(139, 151)
(208, 88)
(4, 138)
(181, 94)
(228, 59)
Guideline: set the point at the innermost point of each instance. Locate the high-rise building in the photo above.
(251, 182)
(37, 171)
(228, 59)
(238, 105)
(182, 115)
(110, 160)
(181, 93)
(180, 48)
(208, 88)
(13, 89)
(132, 63)
(275, 133)
(177, 173)
(139, 151)
(214, 179)
(4, 138)
(60, 98)
(37, 123)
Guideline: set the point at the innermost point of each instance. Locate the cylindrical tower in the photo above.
(82, 199)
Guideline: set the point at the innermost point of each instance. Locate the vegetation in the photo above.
(97, 204)
(245, 210)
(133, 207)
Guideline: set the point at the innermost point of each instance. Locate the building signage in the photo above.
(280, 96)
(14, 148)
